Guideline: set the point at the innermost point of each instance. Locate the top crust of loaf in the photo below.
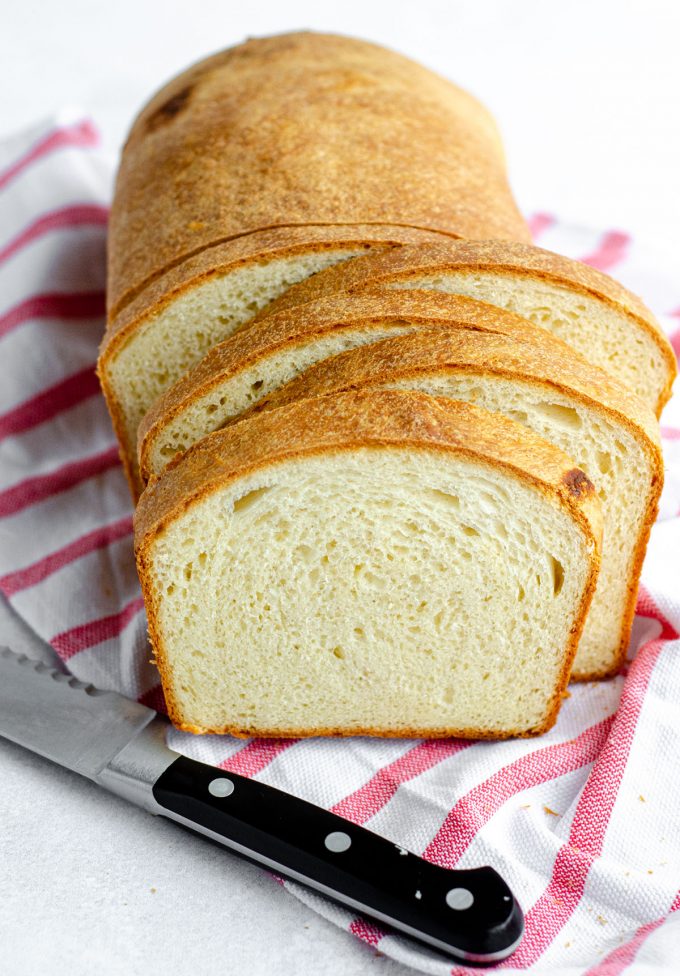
(302, 129)
(501, 257)
(363, 419)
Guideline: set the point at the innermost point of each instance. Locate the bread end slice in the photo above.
(388, 564)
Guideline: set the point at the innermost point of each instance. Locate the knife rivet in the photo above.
(338, 841)
(459, 899)
(221, 787)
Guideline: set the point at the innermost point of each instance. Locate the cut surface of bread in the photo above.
(385, 563)
(590, 311)
(612, 436)
(262, 357)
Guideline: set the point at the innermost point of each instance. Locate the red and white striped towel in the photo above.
(584, 822)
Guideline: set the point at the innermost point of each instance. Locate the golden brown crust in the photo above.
(295, 130)
(331, 313)
(348, 421)
(550, 365)
(406, 733)
(501, 257)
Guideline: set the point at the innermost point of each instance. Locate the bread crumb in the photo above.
(152, 890)
(650, 871)
(601, 920)
(551, 812)
(525, 806)
(641, 798)
(567, 945)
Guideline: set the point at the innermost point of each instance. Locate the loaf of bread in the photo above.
(377, 562)
(264, 164)
(590, 311)
(397, 466)
(610, 434)
(258, 359)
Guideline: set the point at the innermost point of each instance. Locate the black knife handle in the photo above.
(471, 914)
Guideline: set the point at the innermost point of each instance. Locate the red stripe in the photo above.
(81, 134)
(255, 756)
(363, 804)
(43, 486)
(539, 223)
(154, 698)
(675, 342)
(22, 579)
(612, 249)
(55, 305)
(366, 931)
(670, 433)
(622, 956)
(89, 214)
(574, 860)
(77, 639)
(648, 607)
(478, 806)
(50, 402)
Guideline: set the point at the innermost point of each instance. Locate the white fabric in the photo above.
(582, 822)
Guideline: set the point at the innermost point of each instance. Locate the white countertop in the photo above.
(588, 99)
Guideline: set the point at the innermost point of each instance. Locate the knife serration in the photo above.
(63, 719)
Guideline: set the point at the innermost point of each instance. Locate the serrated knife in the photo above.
(120, 744)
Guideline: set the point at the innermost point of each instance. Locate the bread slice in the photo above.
(610, 434)
(258, 359)
(379, 563)
(263, 165)
(590, 311)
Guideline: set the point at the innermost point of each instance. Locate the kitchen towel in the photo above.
(583, 822)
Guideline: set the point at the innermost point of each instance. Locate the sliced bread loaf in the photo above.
(610, 434)
(379, 563)
(264, 164)
(590, 311)
(258, 359)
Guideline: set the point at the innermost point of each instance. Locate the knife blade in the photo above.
(470, 914)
